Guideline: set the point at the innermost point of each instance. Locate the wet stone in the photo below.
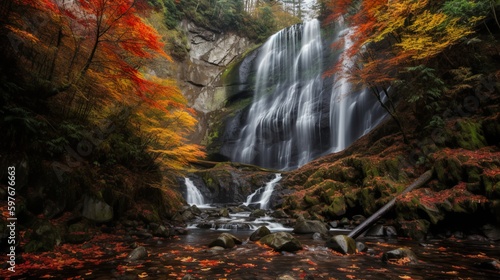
(398, 254)
(138, 254)
(342, 244)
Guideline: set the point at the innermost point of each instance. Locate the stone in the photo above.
(281, 241)
(225, 240)
(96, 210)
(345, 222)
(390, 231)
(309, 226)
(317, 236)
(279, 214)
(400, 254)
(334, 224)
(162, 231)
(137, 254)
(259, 233)
(44, 236)
(258, 213)
(376, 230)
(361, 247)
(224, 213)
(195, 210)
(342, 244)
(491, 231)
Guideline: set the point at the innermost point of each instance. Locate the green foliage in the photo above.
(464, 9)
(20, 127)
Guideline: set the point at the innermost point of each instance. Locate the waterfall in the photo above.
(297, 115)
(287, 88)
(263, 194)
(353, 113)
(194, 195)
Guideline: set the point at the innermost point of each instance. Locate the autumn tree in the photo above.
(390, 36)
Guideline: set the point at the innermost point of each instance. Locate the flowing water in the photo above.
(295, 115)
(262, 196)
(194, 196)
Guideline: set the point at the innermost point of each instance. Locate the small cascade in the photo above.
(194, 195)
(263, 195)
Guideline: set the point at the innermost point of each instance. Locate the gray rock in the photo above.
(390, 231)
(376, 230)
(162, 231)
(258, 213)
(259, 233)
(138, 254)
(96, 210)
(309, 226)
(398, 254)
(491, 231)
(317, 236)
(281, 241)
(225, 240)
(224, 213)
(342, 244)
(361, 247)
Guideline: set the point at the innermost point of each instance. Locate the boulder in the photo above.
(43, 236)
(96, 210)
(162, 231)
(259, 233)
(400, 255)
(491, 231)
(225, 240)
(224, 213)
(279, 214)
(78, 233)
(258, 213)
(137, 254)
(309, 226)
(342, 244)
(281, 241)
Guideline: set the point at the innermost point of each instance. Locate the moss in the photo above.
(468, 134)
(448, 170)
(310, 200)
(338, 207)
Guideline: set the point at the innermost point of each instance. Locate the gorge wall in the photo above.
(200, 74)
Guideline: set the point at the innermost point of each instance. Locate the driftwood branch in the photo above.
(377, 215)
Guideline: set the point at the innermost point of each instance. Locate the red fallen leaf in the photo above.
(210, 262)
(248, 265)
(350, 276)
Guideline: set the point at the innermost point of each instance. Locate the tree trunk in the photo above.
(377, 215)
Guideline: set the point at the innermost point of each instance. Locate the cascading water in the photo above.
(263, 194)
(287, 88)
(194, 195)
(352, 113)
(296, 116)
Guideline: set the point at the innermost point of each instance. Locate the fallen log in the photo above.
(377, 215)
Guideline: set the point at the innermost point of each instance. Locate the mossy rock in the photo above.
(43, 236)
(367, 200)
(467, 134)
(311, 200)
(337, 208)
(448, 170)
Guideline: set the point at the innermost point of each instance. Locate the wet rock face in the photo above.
(200, 75)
